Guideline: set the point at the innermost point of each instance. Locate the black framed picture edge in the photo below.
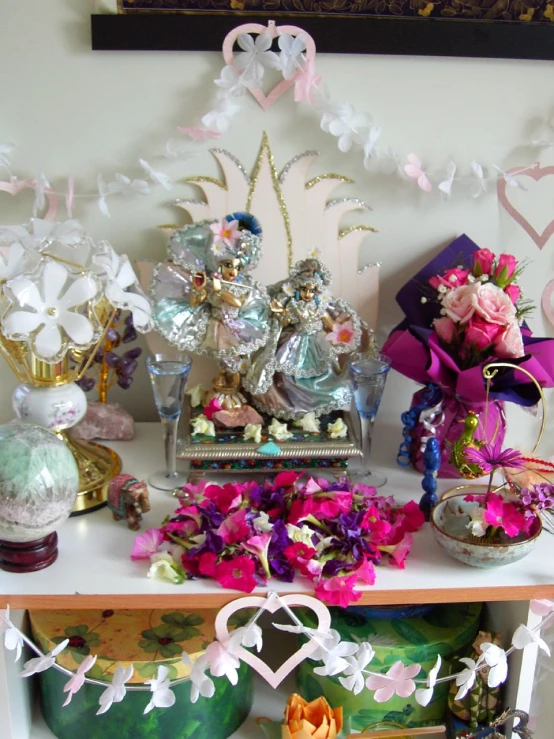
(337, 34)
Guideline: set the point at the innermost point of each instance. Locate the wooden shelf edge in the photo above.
(218, 600)
(336, 34)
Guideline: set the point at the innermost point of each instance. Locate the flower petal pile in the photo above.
(243, 534)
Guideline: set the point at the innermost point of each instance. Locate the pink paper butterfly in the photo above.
(415, 172)
(197, 133)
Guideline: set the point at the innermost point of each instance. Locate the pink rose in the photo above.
(450, 278)
(482, 262)
(445, 328)
(492, 304)
(513, 291)
(481, 333)
(459, 303)
(507, 265)
(509, 344)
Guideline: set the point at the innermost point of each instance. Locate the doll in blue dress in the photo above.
(304, 366)
(204, 300)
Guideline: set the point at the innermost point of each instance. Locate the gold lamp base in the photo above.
(98, 465)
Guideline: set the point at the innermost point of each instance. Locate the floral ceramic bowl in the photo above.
(449, 521)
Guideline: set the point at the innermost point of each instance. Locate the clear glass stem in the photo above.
(170, 434)
(366, 425)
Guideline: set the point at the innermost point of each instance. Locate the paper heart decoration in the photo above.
(546, 301)
(15, 186)
(272, 605)
(266, 101)
(536, 173)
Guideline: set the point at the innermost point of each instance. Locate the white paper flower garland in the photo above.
(347, 660)
(352, 129)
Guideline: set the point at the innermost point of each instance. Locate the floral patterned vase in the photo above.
(438, 414)
(56, 407)
(144, 639)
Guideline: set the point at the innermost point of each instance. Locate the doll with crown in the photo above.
(205, 302)
(304, 368)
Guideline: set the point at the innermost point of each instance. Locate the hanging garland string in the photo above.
(347, 660)
(353, 130)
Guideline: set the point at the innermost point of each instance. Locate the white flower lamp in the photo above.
(59, 292)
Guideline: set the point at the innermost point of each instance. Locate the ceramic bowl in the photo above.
(449, 519)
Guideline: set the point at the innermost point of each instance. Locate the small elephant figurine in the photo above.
(128, 498)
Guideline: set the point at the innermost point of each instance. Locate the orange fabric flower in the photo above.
(314, 720)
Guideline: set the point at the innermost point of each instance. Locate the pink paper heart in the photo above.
(266, 101)
(272, 605)
(536, 173)
(15, 186)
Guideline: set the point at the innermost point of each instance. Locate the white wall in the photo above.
(71, 110)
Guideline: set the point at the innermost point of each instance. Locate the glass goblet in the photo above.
(168, 375)
(368, 376)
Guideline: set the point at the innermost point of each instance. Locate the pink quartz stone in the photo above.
(108, 421)
(237, 417)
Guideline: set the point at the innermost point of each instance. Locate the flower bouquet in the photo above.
(333, 533)
(463, 311)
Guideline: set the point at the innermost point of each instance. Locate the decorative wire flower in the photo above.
(255, 58)
(491, 456)
(52, 310)
(290, 57)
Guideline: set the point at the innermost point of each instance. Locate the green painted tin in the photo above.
(145, 639)
(446, 630)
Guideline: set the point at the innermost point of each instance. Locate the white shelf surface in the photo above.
(94, 568)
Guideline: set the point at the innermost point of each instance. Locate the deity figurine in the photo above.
(304, 366)
(205, 303)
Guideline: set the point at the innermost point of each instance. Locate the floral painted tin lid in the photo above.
(443, 630)
(142, 638)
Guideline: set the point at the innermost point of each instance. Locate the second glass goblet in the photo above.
(168, 375)
(368, 377)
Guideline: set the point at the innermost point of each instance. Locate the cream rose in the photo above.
(459, 303)
(201, 425)
(492, 304)
(253, 431)
(337, 430)
(279, 430)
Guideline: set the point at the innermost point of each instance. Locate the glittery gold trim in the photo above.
(200, 180)
(265, 150)
(351, 229)
(338, 177)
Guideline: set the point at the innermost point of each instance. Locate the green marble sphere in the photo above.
(39, 481)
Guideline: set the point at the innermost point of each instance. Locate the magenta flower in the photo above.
(213, 407)
(225, 498)
(399, 552)
(504, 515)
(237, 574)
(147, 544)
(259, 546)
(365, 573)
(338, 591)
(491, 456)
(234, 528)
